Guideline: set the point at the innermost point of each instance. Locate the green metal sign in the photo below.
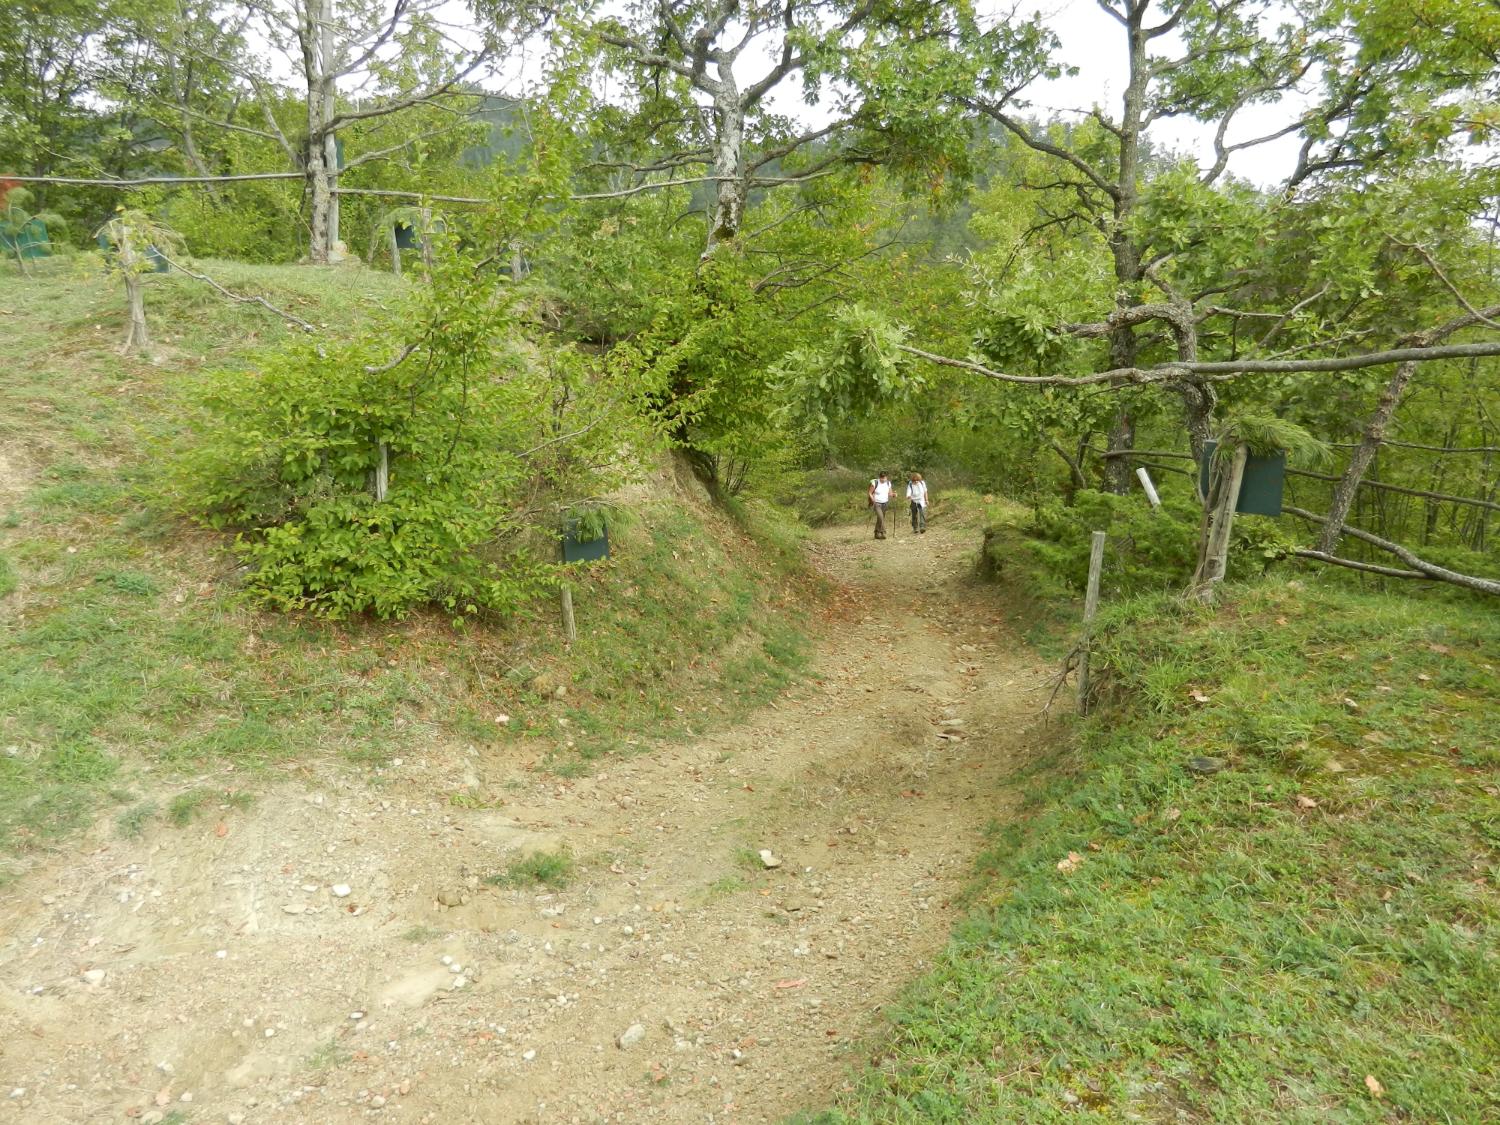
(1264, 484)
(575, 549)
(29, 243)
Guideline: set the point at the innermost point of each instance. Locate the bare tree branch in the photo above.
(1429, 570)
(237, 297)
(1372, 568)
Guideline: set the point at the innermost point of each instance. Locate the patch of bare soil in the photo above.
(335, 955)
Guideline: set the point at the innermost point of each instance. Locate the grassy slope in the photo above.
(130, 670)
(1251, 945)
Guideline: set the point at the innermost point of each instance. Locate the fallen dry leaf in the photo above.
(1173, 814)
(164, 1096)
(221, 830)
(1198, 696)
(1306, 802)
(1373, 1085)
(1069, 863)
(798, 983)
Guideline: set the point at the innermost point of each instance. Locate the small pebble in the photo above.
(341, 890)
(631, 1036)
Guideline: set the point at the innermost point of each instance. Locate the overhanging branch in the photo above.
(1219, 370)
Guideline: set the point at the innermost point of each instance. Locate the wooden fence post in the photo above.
(570, 628)
(1215, 558)
(1090, 607)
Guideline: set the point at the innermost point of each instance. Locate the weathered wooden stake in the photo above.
(1216, 549)
(569, 626)
(383, 473)
(1090, 607)
(1145, 479)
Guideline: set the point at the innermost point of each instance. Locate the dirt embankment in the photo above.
(335, 954)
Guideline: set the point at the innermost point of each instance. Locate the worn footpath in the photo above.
(741, 908)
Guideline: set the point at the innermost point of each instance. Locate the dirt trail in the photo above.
(223, 978)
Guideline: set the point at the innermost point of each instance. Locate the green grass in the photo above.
(726, 885)
(126, 648)
(540, 869)
(327, 1056)
(1247, 946)
(133, 822)
(184, 808)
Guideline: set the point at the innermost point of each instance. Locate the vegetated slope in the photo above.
(126, 651)
(1264, 884)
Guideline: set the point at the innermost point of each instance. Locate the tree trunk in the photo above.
(1117, 474)
(1359, 461)
(189, 145)
(316, 36)
(1126, 255)
(1213, 558)
(136, 337)
(730, 188)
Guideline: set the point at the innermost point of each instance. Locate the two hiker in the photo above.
(916, 496)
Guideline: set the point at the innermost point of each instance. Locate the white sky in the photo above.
(1095, 44)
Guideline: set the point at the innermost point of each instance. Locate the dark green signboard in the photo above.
(1263, 486)
(575, 549)
(29, 242)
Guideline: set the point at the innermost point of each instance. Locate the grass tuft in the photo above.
(540, 869)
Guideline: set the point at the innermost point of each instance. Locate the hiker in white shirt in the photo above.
(916, 495)
(880, 498)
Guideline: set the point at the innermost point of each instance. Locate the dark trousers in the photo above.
(918, 517)
(879, 519)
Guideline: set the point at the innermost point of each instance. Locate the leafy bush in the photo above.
(288, 455)
(1147, 550)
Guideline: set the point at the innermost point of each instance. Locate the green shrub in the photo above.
(287, 455)
(1147, 550)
